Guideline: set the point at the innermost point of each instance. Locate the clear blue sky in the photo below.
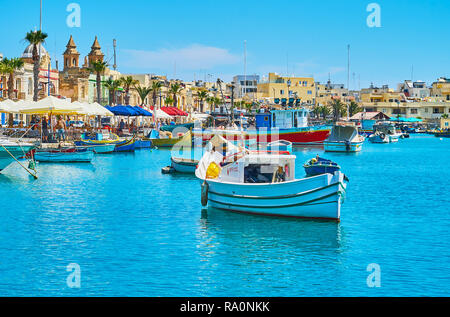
(206, 38)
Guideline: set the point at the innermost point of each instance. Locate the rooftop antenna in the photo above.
(115, 58)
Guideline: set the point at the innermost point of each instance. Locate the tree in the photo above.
(338, 109)
(143, 92)
(156, 88)
(353, 108)
(201, 96)
(9, 66)
(174, 90)
(168, 101)
(99, 67)
(36, 38)
(112, 86)
(127, 83)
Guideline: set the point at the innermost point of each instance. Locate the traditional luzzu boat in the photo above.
(100, 148)
(318, 165)
(184, 165)
(97, 139)
(10, 151)
(143, 144)
(264, 184)
(64, 155)
(166, 140)
(290, 125)
(344, 139)
(126, 146)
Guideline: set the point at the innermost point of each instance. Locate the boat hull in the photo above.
(101, 148)
(341, 146)
(64, 157)
(297, 136)
(318, 197)
(184, 165)
(16, 151)
(126, 146)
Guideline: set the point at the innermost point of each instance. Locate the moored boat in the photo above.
(280, 145)
(265, 184)
(68, 155)
(318, 165)
(10, 150)
(100, 148)
(290, 125)
(126, 146)
(184, 165)
(344, 139)
(379, 137)
(168, 141)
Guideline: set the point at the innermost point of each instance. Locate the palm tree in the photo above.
(168, 101)
(127, 83)
(112, 86)
(36, 38)
(143, 92)
(338, 109)
(9, 66)
(174, 90)
(201, 96)
(99, 67)
(156, 88)
(353, 108)
(324, 111)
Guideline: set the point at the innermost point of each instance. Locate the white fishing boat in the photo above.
(379, 137)
(344, 139)
(10, 151)
(265, 184)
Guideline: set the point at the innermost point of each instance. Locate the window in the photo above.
(281, 92)
(305, 83)
(438, 110)
(413, 111)
(309, 92)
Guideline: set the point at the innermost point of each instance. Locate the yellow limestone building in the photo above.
(282, 90)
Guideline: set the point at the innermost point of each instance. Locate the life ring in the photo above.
(205, 189)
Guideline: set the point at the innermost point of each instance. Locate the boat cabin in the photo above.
(282, 119)
(259, 168)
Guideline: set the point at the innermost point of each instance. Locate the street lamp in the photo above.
(288, 90)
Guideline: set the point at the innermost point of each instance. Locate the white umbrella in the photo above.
(50, 105)
(8, 106)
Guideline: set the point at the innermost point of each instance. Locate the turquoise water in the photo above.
(136, 232)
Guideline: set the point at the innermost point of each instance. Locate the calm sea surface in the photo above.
(136, 232)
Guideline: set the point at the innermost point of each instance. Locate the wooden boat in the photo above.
(167, 141)
(265, 184)
(113, 139)
(126, 146)
(100, 148)
(344, 139)
(318, 165)
(10, 150)
(68, 155)
(183, 165)
(442, 134)
(143, 144)
(379, 137)
(280, 145)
